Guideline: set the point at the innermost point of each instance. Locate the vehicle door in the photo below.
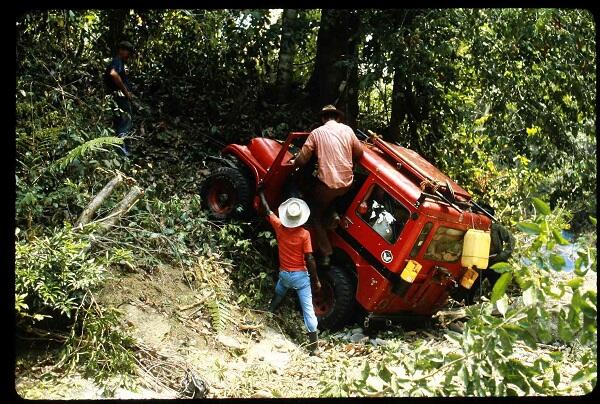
(380, 222)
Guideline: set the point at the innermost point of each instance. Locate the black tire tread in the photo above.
(240, 183)
(345, 301)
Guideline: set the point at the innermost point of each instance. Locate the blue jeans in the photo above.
(300, 281)
(122, 119)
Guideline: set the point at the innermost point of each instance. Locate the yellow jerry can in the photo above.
(476, 249)
(469, 278)
(410, 271)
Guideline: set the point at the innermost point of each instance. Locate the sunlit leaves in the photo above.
(500, 286)
(529, 228)
(541, 206)
(557, 262)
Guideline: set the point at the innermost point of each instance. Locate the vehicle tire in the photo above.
(335, 304)
(227, 193)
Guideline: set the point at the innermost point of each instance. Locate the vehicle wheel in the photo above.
(227, 193)
(335, 303)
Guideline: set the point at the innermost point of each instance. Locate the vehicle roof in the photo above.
(376, 162)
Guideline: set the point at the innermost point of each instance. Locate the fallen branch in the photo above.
(190, 306)
(122, 207)
(95, 203)
(243, 327)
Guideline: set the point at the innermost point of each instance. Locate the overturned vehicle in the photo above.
(408, 235)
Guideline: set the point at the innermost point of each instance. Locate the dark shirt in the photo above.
(502, 244)
(119, 67)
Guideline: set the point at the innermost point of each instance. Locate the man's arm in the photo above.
(305, 153)
(312, 270)
(265, 210)
(119, 82)
(357, 149)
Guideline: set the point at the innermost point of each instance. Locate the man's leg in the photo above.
(301, 282)
(323, 197)
(123, 121)
(280, 291)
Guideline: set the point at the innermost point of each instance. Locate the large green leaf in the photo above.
(559, 238)
(557, 262)
(541, 206)
(500, 286)
(529, 228)
(501, 267)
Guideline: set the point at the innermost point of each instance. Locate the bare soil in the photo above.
(251, 356)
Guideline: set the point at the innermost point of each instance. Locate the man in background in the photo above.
(117, 82)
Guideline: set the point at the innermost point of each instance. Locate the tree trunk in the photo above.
(399, 107)
(335, 76)
(121, 208)
(116, 19)
(287, 50)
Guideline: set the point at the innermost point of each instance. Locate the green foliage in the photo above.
(100, 348)
(219, 312)
(52, 274)
(496, 354)
(87, 147)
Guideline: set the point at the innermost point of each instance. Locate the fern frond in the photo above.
(91, 145)
(219, 313)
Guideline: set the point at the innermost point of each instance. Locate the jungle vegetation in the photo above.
(502, 100)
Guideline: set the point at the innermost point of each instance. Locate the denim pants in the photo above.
(300, 281)
(122, 119)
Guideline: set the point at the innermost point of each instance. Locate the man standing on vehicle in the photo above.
(295, 254)
(117, 83)
(336, 147)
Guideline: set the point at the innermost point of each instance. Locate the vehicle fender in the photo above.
(243, 154)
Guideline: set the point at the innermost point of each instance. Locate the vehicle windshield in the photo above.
(446, 245)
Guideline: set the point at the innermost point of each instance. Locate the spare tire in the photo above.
(335, 303)
(227, 193)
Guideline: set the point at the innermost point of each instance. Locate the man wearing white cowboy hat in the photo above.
(295, 254)
(336, 147)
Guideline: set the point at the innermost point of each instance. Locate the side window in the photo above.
(446, 245)
(424, 233)
(383, 213)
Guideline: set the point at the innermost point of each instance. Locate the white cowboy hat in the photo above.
(294, 212)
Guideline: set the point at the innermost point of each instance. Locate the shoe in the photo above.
(275, 302)
(313, 343)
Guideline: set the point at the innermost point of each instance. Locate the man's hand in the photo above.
(316, 285)
(264, 206)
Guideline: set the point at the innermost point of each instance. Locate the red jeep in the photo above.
(398, 247)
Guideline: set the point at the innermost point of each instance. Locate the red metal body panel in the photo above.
(397, 170)
(267, 159)
(418, 166)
